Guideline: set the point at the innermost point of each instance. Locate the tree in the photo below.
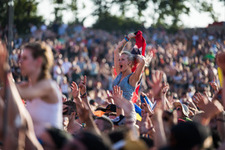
(109, 22)
(114, 23)
(166, 9)
(25, 13)
(60, 5)
(173, 9)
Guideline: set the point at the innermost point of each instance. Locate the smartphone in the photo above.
(70, 107)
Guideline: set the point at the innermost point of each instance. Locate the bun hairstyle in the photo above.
(41, 49)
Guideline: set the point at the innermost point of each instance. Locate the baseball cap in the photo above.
(184, 107)
(119, 120)
(110, 107)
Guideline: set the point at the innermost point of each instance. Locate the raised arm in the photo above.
(136, 76)
(119, 48)
(83, 110)
(127, 106)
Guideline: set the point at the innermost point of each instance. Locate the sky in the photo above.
(195, 19)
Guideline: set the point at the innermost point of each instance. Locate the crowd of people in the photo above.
(70, 87)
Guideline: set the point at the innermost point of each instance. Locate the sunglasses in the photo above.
(178, 109)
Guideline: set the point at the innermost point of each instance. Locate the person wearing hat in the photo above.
(182, 111)
(104, 124)
(111, 108)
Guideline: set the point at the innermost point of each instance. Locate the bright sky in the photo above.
(195, 19)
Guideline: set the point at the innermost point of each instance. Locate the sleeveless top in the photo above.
(43, 113)
(124, 85)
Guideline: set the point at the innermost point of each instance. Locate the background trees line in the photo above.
(26, 12)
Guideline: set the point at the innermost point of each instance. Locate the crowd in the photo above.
(90, 102)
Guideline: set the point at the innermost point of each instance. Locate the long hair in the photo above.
(41, 49)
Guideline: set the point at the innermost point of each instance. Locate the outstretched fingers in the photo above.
(74, 86)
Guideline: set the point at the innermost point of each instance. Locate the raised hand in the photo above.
(147, 108)
(165, 88)
(117, 95)
(214, 85)
(82, 85)
(148, 58)
(75, 90)
(120, 101)
(156, 84)
(109, 97)
(131, 35)
(200, 100)
(146, 124)
(83, 110)
(210, 108)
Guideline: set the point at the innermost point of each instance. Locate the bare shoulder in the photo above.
(47, 83)
(51, 85)
(51, 89)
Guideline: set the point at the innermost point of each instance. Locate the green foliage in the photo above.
(203, 6)
(114, 23)
(165, 9)
(4, 12)
(60, 5)
(102, 7)
(171, 8)
(25, 13)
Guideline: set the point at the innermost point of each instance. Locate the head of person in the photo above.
(182, 109)
(104, 124)
(123, 139)
(126, 60)
(111, 115)
(190, 135)
(69, 107)
(86, 140)
(54, 138)
(36, 58)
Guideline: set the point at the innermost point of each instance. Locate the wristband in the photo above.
(83, 125)
(126, 38)
(83, 95)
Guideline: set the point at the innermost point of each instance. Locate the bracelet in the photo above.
(83, 125)
(83, 95)
(126, 38)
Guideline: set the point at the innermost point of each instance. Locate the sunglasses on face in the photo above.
(178, 109)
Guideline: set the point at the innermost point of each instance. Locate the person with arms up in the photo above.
(123, 62)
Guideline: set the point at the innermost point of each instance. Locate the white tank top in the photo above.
(43, 114)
